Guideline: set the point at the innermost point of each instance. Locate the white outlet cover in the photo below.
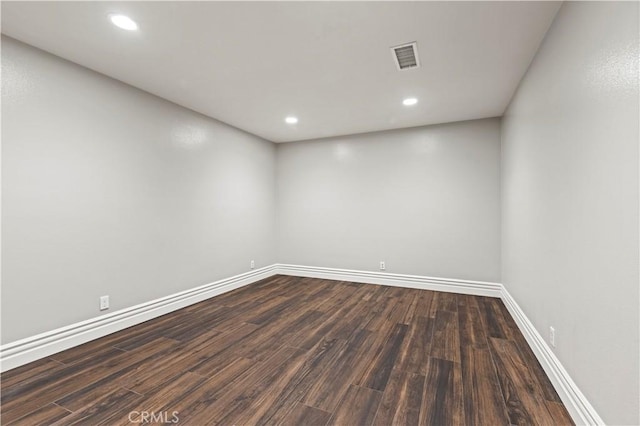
(104, 303)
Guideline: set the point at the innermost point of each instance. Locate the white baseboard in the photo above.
(582, 412)
(449, 285)
(42, 345)
(23, 351)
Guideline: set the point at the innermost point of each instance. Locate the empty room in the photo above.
(320, 213)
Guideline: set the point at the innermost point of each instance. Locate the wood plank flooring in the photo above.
(298, 351)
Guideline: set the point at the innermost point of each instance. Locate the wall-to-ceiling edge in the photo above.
(26, 350)
(130, 197)
(570, 204)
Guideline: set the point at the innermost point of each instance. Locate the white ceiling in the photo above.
(250, 64)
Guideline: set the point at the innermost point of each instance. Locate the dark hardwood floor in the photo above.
(298, 351)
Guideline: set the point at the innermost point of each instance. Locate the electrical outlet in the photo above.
(253, 264)
(382, 265)
(552, 336)
(104, 303)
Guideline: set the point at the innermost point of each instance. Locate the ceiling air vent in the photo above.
(406, 56)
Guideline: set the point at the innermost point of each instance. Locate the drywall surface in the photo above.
(570, 199)
(107, 190)
(424, 200)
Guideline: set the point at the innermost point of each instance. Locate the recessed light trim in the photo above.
(291, 120)
(123, 21)
(409, 101)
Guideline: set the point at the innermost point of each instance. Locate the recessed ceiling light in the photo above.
(124, 22)
(291, 120)
(410, 101)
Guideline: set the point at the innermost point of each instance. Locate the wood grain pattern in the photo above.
(292, 351)
(334, 381)
(305, 415)
(446, 337)
(23, 400)
(414, 355)
(358, 407)
(196, 398)
(514, 376)
(483, 401)
(101, 410)
(559, 413)
(284, 398)
(472, 333)
(442, 402)
(377, 371)
(48, 414)
(402, 399)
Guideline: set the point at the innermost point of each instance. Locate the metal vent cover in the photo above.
(406, 56)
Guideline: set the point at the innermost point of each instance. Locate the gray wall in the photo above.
(570, 199)
(425, 200)
(109, 190)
